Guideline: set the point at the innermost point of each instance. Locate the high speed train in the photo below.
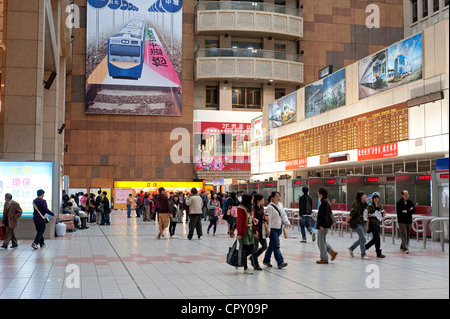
(126, 51)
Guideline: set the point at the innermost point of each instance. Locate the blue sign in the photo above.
(124, 5)
(442, 164)
(98, 4)
(171, 6)
(159, 7)
(115, 4)
(130, 6)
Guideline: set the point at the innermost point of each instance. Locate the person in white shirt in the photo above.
(277, 218)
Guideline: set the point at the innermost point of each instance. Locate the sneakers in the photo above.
(322, 261)
(34, 246)
(406, 251)
(267, 264)
(364, 257)
(248, 271)
(313, 236)
(303, 240)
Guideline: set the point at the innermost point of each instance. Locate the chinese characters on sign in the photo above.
(377, 152)
(295, 164)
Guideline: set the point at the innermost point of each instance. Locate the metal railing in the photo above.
(437, 228)
(247, 53)
(250, 6)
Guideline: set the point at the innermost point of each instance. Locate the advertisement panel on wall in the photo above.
(220, 146)
(326, 94)
(283, 111)
(399, 64)
(133, 57)
(22, 180)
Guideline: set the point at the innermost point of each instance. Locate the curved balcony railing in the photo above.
(246, 53)
(250, 6)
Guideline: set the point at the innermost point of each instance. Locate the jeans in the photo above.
(274, 246)
(105, 218)
(213, 223)
(361, 230)
(257, 252)
(195, 223)
(375, 230)
(305, 221)
(324, 247)
(128, 210)
(40, 228)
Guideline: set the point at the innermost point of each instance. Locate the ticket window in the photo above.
(297, 186)
(252, 187)
(268, 188)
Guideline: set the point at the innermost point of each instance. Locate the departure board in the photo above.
(378, 127)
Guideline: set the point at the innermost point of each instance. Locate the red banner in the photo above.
(377, 152)
(297, 163)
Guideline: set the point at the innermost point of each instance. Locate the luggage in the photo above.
(67, 219)
(60, 229)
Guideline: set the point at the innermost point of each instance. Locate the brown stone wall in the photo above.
(335, 32)
(102, 149)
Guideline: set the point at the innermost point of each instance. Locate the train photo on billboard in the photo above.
(126, 51)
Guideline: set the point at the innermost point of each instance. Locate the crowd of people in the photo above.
(246, 215)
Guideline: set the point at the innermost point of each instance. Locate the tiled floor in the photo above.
(126, 260)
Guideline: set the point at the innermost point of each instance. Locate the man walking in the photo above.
(305, 211)
(195, 203)
(405, 210)
(162, 201)
(11, 215)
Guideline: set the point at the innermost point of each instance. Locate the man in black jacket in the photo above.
(305, 211)
(405, 209)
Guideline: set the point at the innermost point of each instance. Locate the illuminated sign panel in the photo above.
(22, 180)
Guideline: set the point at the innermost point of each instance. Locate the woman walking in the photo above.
(214, 208)
(260, 235)
(228, 216)
(359, 213)
(375, 216)
(277, 218)
(324, 224)
(176, 210)
(245, 229)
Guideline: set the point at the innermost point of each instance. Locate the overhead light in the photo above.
(271, 80)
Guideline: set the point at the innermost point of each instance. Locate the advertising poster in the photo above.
(283, 111)
(220, 146)
(325, 95)
(22, 180)
(133, 57)
(399, 64)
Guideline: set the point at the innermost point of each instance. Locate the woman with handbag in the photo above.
(214, 213)
(358, 216)
(260, 235)
(40, 219)
(277, 218)
(245, 229)
(227, 209)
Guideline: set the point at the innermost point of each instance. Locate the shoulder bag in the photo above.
(44, 218)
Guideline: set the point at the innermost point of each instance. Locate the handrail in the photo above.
(246, 53)
(416, 227)
(439, 221)
(247, 6)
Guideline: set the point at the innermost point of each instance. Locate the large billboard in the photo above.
(283, 111)
(396, 65)
(22, 180)
(326, 94)
(133, 57)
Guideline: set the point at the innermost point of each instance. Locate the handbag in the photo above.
(2, 232)
(234, 256)
(44, 218)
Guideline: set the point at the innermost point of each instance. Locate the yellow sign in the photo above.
(139, 184)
